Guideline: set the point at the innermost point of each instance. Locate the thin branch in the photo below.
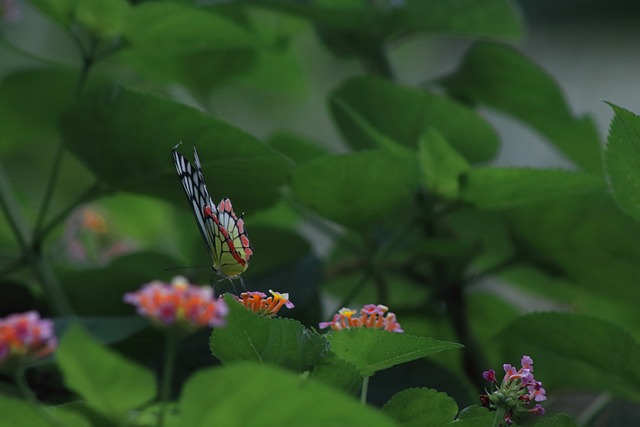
(53, 179)
(12, 212)
(89, 194)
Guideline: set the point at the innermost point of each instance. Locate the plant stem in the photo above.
(170, 353)
(365, 388)
(32, 251)
(48, 193)
(499, 418)
(595, 407)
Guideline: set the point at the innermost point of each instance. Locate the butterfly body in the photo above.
(222, 230)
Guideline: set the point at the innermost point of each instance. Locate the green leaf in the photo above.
(584, 239)
(297, 148)
(140, 161)
(108, 382)
(372, 350)
(369, 133)
(179, 28)
(421, 407)
(490, 18)
(557, 420)
(31, 102)
(441, 165)
(18, 413)
(339, 373)
(404, 114)
(61, 11)
(603, 353)
(278, 341)
(356, 189)
(246, 394)
(501, 78)
(498, 188)
(622, 160)
(474, 416)
(103, 18)
(487, 18)
(199, 48)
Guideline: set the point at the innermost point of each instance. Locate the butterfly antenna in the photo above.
(242, 283)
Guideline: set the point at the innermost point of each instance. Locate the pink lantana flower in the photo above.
(179, 304)
(258, 302)
(515, 393)
(371, 316)
(25, 337)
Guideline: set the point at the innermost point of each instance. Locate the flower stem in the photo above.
(365, 388)
(170, 352)
(499, 418)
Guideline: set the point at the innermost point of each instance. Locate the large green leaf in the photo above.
(492, 18)
(404, 114)
(338, 373)
(421, 407)
(296, 147)
(602, 353)
(585, 239)
(277, 341)
(199, 48)
(497, 188)
(487, 18)
(125, 139)
(501, 78)
(31, 102)
(247, 394)
(372, 350)
(108, 382)
(61, 11)
(356, 189)
(622, 159)
(474, 416)
(19, 413)
(174, 27)
(103, 18)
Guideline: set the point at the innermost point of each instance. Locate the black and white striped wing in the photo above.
(199, 199)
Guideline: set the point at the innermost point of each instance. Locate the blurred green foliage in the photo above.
(408, 212)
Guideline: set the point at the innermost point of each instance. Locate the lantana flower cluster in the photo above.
(25, 337)
(258, 302)
(516, 393)
(371, 316)
(179, 304)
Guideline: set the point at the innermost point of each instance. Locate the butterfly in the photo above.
(222, 230)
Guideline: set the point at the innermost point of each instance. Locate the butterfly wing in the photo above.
(236, 260)
(229, 259)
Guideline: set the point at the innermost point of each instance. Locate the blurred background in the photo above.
(589, 47)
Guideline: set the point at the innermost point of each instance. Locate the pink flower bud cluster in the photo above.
(371, 316)
(517, 391)
(25, 337)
